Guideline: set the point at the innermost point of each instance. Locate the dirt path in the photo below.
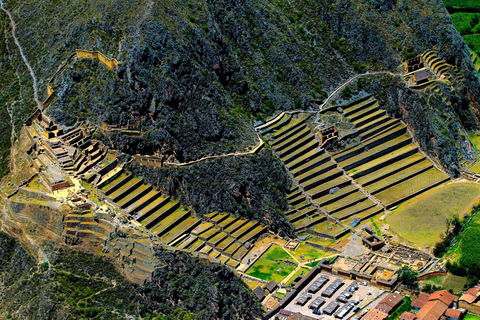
(355, 77)
(254, 150)
(25, 60)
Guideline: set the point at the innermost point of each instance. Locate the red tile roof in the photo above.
(417, 303)
(423, 296)
(408, 316)
(442, 295)
(474, 291)
(453, 313)
(375, 314)
(468, 298)
(432, 310)
(384, 307)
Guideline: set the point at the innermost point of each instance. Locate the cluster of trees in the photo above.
(454, 226)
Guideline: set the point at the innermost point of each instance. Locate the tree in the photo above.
(408, 276)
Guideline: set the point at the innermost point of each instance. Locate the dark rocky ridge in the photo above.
(67, 290)
(196, 71)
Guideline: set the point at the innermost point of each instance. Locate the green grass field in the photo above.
(422, 219)
(301, 272)
(308, 253)
(448, 282)
(267, 269)
(471, 316)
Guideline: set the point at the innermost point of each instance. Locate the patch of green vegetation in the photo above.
(282, 295)
(302, 272)
(375, 227)
(462, 5)
(313, 264)
(449, 282)
(406, 305)
(464, 22)
(473, 42)
(471, 316)
(422, 219)
(275, 264)
(304, 252)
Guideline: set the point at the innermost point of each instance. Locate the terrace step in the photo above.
(300, 214)
(369, 119)
(366, 111)
(354, 209)
(117, 183)
(309, 222)
(296, 136)
(327, 187)
(412, 187)
(239, 255)
(372, 125)
(316, 171)
(208, 233)
(298, 133)
(399, 177)
(381, 162)
(126, 189)
(370, 143)
(171, 221)
(244, 229)
(295, 146)
(225, 243)
(295, 201)
(217, 238)
(185, 227)
(376, 152)
(357, 106)
(227, 222)
(389, 169)
(321, 179)
(235, 226)
(230, 250)
(300, 152)
(159, 214)
(345, 202)
(134, 196)
(379, 129)
(197, 246)
(307, 157)
(294, 123)
(311, 164)
(152, 207)
(144, 201)
(276, 125)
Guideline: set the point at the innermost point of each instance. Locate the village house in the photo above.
(439, 305)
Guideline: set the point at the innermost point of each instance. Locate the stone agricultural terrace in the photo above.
(334, 191)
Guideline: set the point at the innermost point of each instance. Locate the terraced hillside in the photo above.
(221, 236)
(380, 170)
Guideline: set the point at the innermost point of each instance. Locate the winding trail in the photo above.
(25, 60)
(355, 77)
(254, 150)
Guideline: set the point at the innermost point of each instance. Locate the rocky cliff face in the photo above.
(76, 285)
(195, 73)
(251, 186)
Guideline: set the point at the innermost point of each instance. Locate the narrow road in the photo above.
(25, 60)
(355, 77)
(254, 150)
